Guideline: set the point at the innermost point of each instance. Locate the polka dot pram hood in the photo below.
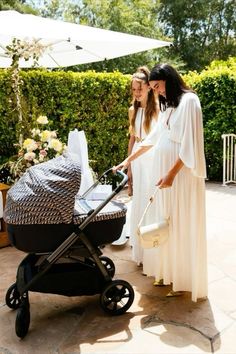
(45, 194)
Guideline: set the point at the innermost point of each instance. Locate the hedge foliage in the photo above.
(94, 102)
(216, 88)
(98, 104)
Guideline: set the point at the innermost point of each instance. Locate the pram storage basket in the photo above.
(74, 274)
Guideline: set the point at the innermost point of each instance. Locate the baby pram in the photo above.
(63, 236)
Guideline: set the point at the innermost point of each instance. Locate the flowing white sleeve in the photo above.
(192, 143)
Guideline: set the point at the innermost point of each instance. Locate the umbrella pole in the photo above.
(16, 89)
(25, 50)
(18, 106)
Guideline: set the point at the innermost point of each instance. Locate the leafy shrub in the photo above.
(98, 104)
(216, 89)
(94, 102)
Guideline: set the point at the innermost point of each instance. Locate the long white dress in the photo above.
(182, 260)
(142, 189)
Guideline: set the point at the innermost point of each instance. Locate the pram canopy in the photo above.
(45, 194)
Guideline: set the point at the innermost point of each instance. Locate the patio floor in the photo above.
(154, 323)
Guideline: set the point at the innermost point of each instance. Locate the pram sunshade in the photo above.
(45, 194)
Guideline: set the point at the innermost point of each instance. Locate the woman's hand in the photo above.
(166, 181)
(125, 164)
(122, 166)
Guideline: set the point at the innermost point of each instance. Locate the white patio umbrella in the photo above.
(68, 43)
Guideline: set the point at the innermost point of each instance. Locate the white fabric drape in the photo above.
(78, 151)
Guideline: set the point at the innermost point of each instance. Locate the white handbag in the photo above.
(155, 234)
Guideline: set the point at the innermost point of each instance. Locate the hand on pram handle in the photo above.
(124, 180)
(121, 167)
(105, 176)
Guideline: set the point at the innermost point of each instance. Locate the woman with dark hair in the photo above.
(179, 171)
(142, 119)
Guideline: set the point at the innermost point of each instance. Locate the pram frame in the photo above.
(78, 234)
(112, 292)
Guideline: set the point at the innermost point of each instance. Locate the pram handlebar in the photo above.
(123, 182)
(118, 188)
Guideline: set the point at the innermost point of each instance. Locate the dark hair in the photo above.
(142, 75)
(175, 85)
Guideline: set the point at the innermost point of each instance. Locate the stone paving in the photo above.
(154, 323)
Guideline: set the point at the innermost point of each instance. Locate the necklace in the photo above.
(168, 119)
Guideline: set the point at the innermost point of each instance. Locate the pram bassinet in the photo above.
(62, 232)
(43, 208)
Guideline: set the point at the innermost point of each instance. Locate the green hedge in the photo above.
(216, 88)
(94, 102)
(8, 118)
(98, 104)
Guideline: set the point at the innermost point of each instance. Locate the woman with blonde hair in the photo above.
(142, 117)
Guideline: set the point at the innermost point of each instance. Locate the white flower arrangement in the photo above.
(42, 120)
(42, 146)
(25, 49)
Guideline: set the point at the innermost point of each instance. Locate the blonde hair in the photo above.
(142, 76)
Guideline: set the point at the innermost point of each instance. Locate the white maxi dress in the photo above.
(182, 260)
(142, 189)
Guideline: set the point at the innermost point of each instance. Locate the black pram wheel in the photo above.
(117, 297)
(110, 266)
(23, 319)
(13, 297)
